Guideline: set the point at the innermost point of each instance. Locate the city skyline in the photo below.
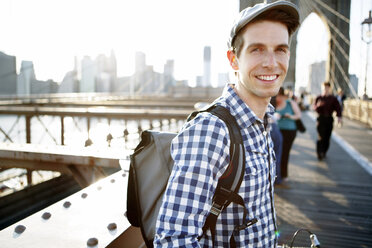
(100, 75)
(162, 29)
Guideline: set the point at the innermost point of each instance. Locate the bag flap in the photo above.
(152, 165)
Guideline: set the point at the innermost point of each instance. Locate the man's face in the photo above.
(263, 60)
(326, 89)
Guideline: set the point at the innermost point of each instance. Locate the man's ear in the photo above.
(233, 60)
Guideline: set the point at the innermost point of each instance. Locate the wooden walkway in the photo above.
(332, 198)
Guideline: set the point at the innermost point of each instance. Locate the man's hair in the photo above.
(281, 92)
(274, 15)
(327, 84)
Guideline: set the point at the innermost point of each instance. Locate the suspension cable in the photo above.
(340, 48)
(314, 6)
(14, 124)
(347, 80)
(46, 129)
(333, 11)
(333, 38)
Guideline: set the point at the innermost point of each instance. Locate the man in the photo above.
(325, 104)
(259, 53)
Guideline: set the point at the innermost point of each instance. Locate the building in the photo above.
(88, 75)
(70, 83)
(168, 76)
(223, 79)
(354, 81)
(105, 73)
(207, 67)
(8, 74)
(25, 77)
(317, 75)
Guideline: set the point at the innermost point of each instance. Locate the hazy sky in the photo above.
(52, 32)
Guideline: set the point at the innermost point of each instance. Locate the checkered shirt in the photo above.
(201, 154)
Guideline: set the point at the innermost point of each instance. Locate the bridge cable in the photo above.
(333, 11)
(6, 136)
(347, 80)
(14, 124)
(46, 129)
(314, 6)
(341, 49)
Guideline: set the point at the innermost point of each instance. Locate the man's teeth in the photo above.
(267, 78)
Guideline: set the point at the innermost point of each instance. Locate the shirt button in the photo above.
(264, 133)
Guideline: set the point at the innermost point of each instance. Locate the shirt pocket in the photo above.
(256, 163)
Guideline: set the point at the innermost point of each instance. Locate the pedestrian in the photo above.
(259, 53)
(288, 112)
(341, 97)
(277, 139)
(325, 105)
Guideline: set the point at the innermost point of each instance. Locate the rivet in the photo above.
(92, 242)
(67, 204)
(99, 188)
(111, 226)
(112, 180)
(84, 195)
(124, 175)
(20, 229)
(46, 215)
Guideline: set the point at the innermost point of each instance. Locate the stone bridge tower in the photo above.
(336, 15)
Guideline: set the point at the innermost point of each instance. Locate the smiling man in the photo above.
(259, 53)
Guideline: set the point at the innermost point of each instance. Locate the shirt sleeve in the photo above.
(201, 154)
(337, 107)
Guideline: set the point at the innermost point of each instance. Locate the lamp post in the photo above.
(367, 38)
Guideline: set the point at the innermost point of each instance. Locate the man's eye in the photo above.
(283, 50)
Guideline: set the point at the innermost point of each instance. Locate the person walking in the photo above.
(288, 112)
(258, 51)
(277, 139)
(325, 105)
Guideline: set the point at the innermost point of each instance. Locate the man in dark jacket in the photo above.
(325, 104)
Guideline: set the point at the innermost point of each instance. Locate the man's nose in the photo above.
(270, 60)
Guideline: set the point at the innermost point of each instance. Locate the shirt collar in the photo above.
(239, 109)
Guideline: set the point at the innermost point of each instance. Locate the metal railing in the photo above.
(359, 110)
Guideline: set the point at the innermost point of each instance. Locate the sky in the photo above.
(52, 32)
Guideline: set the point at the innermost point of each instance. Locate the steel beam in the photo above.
(92, 217)
(84, 164)
(106, 112)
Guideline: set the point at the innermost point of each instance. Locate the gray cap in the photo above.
(248, 14)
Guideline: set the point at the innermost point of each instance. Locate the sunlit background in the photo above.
(53, 33)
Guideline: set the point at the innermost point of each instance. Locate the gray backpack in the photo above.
(151, 165)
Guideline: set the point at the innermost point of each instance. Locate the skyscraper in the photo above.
(207, 67)
(168, 75)
(25, 77)
(8, 74)
(88, 75)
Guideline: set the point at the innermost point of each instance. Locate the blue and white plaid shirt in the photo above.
(201, 155)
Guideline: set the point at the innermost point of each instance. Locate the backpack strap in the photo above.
(229, 183)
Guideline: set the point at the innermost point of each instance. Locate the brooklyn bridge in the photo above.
(64, 159)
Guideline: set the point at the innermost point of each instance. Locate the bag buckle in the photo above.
(216, 209)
